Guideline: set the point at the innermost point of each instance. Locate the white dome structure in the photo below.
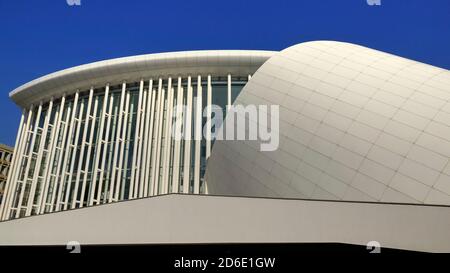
(356, 124)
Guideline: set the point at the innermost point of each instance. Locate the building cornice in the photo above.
(126, 69)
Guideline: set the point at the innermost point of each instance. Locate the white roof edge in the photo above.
(159, 64)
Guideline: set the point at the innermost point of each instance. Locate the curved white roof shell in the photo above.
(355, 124)
(214, 62)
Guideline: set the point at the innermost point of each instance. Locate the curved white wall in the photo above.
(355, 124)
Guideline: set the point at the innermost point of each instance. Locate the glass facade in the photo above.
(114, 143)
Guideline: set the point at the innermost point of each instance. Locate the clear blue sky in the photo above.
(38, 37)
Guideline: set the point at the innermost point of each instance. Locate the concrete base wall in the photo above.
(216, 219)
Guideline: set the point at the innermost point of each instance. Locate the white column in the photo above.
(69, 147)
(83, 145)
(105, 149)
(95, 169)
(127, 148)
(120, 176)
(15, 156)
(30, 156)
(158, 182)
(48, 174)
(148, 140)
(119, 141)
(177, 151)
(139, 189)
(157, 146)
(208, 118)
(167, 138)
(198, 135)
(111, 148)
(229, 92)
(187, 143)
(37, 168)
(170, 140)
(17, 169)
(137, 140)
(84, 186)
(74, 156)
(154, 143)
(62, 152)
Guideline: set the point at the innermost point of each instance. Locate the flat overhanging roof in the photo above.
(98, 74)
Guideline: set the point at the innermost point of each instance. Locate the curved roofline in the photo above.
(183, 63)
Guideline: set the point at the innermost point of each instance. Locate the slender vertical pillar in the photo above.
(187, 144)
(137, 140)
(167, 137)
(156, 144)
(198, 135)
(74, 157)
(177, 143)
(100, 142)
(82, 149)
(229, 91)
(118, 143)
(139, 189)
(49, 176)
(30, 159)
(105, 150)
(120, 170)
(158, 182)
(149, 139)
(20, 161)
(67, 151)
(62, 152)
(208, 118)
(9, 181)
(126, 177)
(31, 197)
(88, 162)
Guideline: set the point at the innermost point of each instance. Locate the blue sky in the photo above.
(38, 37)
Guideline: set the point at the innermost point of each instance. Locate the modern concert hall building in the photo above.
(363, 151)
